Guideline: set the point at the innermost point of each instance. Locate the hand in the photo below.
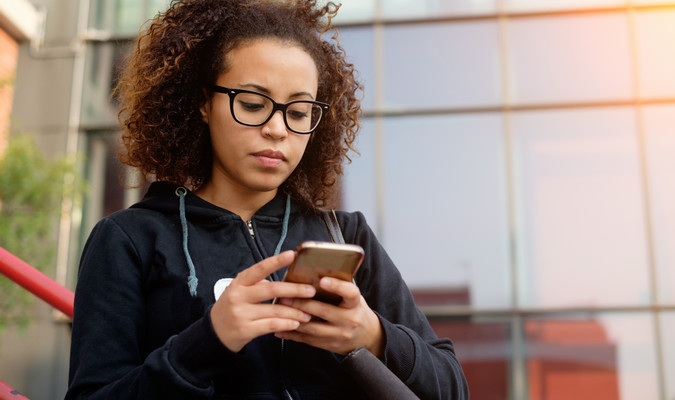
(239, 315)
(345, 327)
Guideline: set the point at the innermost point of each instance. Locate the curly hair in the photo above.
(183, 51)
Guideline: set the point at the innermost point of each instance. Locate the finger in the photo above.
(274, 325)
(265, 290)
(351, 296)
(264, 268)
(325, 311)
(277, 311)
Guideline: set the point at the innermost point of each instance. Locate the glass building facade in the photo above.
(517, 161)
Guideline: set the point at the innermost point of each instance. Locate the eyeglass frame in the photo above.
(232, 93)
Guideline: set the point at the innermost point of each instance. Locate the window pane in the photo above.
(655, 35)
(129, 16)
(355, 11)
(659, 122)
(407, 9)
(606, 357)
(539, 5)
(102, 65)
(444, 181)
(441, 65)
(103, 172)
(359, 188)
(483, 349)
(359, 46)
(125, 17)
(107, 179)
(580, 211)
(569, 59)
(668, 355)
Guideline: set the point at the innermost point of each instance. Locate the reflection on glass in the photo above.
(654, 33)
(359, 45)
(436, 65)
(580, 211)
(549, 5)
(444, 211)
(668, 352)
(483, 350)
(602, 357)
(577, 58)
(436, 8)
(659, 123)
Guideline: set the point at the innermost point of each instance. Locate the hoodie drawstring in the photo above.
(192, 278)
(284, 226)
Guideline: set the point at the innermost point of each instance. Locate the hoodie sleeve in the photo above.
(108, 360)
(425, 363)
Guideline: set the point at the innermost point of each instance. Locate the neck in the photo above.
(242, 203)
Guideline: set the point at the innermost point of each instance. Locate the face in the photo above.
(259, 159)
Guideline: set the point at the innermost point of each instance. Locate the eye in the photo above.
(299, 111)
(252, 102)
(296, 114)
(251, 107)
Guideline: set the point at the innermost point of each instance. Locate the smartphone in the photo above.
(314, 260)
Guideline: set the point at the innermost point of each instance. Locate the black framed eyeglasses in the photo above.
(255, 109)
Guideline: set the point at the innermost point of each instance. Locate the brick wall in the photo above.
(9, 50)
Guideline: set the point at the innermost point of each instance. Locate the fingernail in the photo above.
(325, 283)
(287, 255)
(286, 302)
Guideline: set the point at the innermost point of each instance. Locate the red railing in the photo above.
(36, 282)
(40, 285)
(7, 393)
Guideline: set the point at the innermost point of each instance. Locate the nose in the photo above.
(275, 128)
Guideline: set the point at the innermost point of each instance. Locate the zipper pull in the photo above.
(249, 224)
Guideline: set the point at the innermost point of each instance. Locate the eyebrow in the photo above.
(266, 91)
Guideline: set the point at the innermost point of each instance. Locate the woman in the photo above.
(242, 113)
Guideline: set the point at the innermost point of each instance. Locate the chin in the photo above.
(266, 185)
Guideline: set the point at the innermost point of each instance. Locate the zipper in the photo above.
(288, 395)
(284, 379)
(249, 225)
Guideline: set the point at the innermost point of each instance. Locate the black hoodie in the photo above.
(138, 333)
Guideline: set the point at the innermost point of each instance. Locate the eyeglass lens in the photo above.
(254, 109)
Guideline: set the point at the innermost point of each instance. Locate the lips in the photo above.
(270, 158)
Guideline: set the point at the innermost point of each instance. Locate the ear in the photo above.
(205, 115)
(205, 107)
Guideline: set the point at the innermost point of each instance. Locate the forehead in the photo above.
(264, 44)
(270, 61)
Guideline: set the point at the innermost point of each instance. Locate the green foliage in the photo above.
(32, 188)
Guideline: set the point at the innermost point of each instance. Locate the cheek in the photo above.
(302, 145)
